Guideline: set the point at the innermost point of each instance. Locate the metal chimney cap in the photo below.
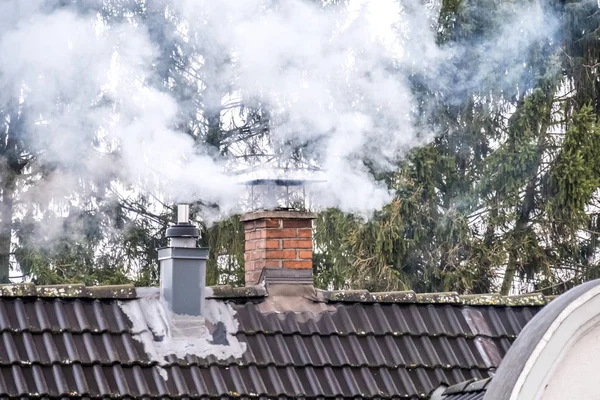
(281, 182)
(183, 230)
(183, 227)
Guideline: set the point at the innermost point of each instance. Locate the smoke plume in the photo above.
(338, 81)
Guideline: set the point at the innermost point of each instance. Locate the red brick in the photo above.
(260, 264)
(248, 256)
(252, 235)
(278, 233)
(268, 244)
(254, 255)
(252, 277)
(268, 223)
(249, 225)
(279, 254)
(297, 264)
(262, 244)
(297, 244)
(306, 254)
(305, 233)
(297, 223)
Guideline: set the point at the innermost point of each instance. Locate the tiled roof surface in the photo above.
(57, 346)
(471, 390)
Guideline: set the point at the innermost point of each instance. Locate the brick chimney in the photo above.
(275, 240)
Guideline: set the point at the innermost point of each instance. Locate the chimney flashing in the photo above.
(286, 276)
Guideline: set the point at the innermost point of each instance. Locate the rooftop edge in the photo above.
(409, 296)
(76, 290)
(225, 292)
(470, 386)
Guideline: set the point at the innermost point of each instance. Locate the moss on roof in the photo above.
(490, 299)
(230, 292)
(68, 291)
(226, 292)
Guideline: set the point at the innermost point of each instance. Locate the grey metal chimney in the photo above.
(183, 267)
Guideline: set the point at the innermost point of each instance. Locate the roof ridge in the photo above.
(128, 291)
(230, 292)
(410, 296)
(74, 290)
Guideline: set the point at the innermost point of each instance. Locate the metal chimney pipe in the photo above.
(183, 214)
(183, 234)
(183, 267)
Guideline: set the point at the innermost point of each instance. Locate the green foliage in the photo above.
(226, 255)
(69, 254)
(575, 174)
(508, 191)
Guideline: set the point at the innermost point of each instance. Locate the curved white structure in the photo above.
(557, 355)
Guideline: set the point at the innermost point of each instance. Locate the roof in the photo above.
(113, 342)
(469, 390)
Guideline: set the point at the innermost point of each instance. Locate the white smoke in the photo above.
(331, 77)
(336, 78)
(76, 80)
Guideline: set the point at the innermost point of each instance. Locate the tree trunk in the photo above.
(509, 274)
(528, 205)
(11, 166)
(212, 96)
(524, 219)
(6, 216)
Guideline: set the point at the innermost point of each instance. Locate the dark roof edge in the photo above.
(470, 386)
(409, 296)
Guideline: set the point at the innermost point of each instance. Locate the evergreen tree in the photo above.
(505, 196)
